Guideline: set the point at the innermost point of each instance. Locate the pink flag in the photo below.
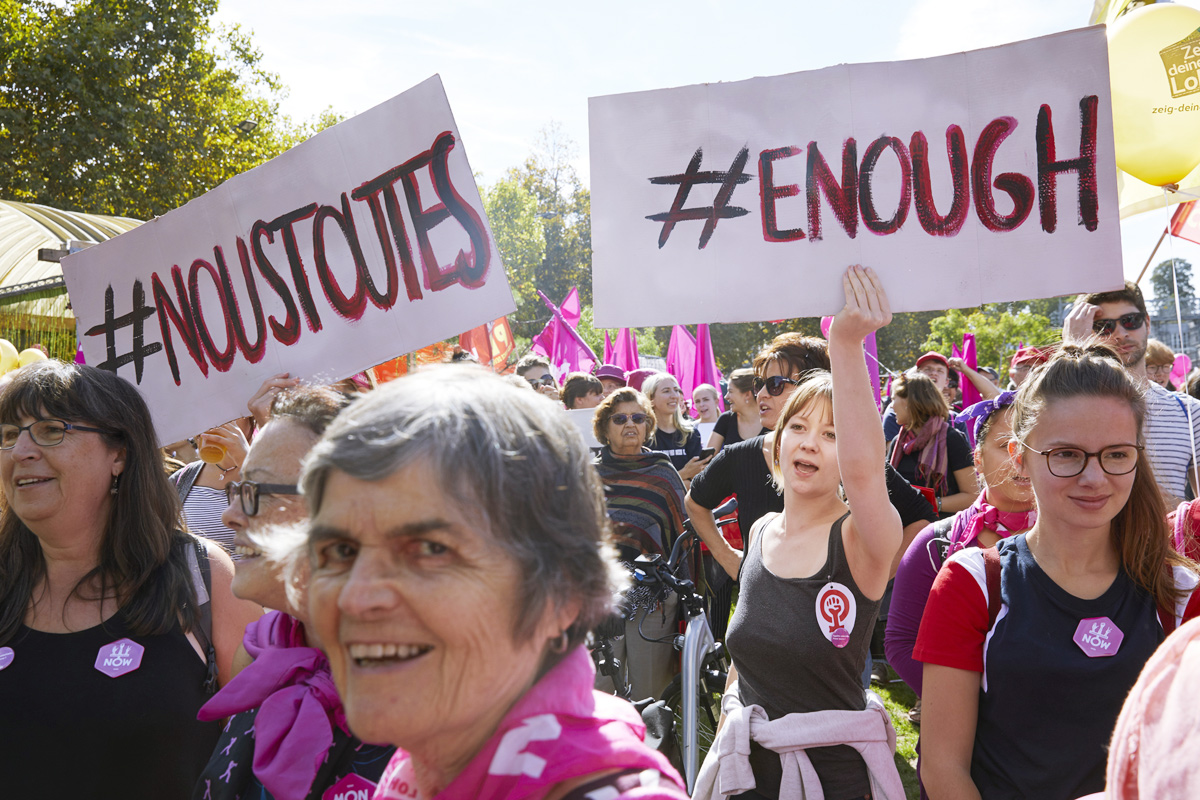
(955, 352)
(567, 351)
(608, 349)
(705, 368)
(872, 351)
(681, 357)
(570, 307)
(970, 395)
(626, 355)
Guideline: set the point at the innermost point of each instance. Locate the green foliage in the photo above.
(997, 333)
(562, 206)
(130, 107)
(512, 211)
(1164, 287)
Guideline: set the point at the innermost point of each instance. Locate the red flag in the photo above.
(1184, 223)
(492, 343)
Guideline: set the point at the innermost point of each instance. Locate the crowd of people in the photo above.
(389, 592)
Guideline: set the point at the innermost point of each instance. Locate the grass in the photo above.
(899, 700)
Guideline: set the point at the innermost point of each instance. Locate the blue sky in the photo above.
(511, 68)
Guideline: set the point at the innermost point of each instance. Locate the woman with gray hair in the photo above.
(459, 555)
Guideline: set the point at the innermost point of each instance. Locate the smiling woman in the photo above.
(98, 605)
(459, 555)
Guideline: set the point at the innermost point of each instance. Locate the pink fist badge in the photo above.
(1098, 637)
(836, 613)
(117, 658)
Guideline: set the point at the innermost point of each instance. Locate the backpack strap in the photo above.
(184, 479)
(202, 582)
(992, 569)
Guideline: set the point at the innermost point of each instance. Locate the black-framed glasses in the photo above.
(637, 419)
(1130, 322)
(775, 384)
(1067, 462)
(44, 432)
(545, 380)
(1159, 369)
(249, 492)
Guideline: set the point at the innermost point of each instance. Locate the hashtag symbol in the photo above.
(692, 176)
(137, 318)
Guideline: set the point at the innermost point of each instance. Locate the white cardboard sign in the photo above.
(978, 177)
(367, 241)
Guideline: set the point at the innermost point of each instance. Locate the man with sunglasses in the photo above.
(1120, 318)
(536, 370)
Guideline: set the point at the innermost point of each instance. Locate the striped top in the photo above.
(1168, 445)
(203, 508)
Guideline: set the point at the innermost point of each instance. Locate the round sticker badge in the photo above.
(836, 612)
(6, 656)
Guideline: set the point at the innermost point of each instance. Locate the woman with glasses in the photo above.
(1160, 360)
(644, 495)
(113, 622)
(1030, 647)
(300, 746)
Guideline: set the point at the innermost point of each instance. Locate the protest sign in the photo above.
(366, 241)
(978, 177)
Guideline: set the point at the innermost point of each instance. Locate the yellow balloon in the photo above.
(1154, 62)
(29, 356)
(9, 358)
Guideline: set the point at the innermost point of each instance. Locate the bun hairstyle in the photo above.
(1140, 532)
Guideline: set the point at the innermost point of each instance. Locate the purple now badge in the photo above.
(351, 787)
(1098, 637)
(6, 656)
(119, 657)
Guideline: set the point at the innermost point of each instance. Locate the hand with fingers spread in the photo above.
(260, 404)
(1077, 325)
(867, 308)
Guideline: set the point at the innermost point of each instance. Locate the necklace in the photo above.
(224, 471)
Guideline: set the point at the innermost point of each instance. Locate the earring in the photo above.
(116, 482)
(560, 643)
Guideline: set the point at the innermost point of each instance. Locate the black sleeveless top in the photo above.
(784, 642)
(73, 731)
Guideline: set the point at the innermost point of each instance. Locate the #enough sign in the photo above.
(366, 241)
(986, 176)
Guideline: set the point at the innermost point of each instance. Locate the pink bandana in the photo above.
(981, 516)
(298, 705)
(560, 730)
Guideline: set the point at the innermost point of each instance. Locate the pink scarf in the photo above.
(933, 458)
(298, 705)
(560, 730)
(981, 516)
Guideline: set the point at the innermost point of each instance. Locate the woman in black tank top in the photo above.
(812, 577)
(100, 676)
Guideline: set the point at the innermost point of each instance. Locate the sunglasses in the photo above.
(775, 384)
(543, 381)
(637, 419)
(1130, 322)
(249, 492)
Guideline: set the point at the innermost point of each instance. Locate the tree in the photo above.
(131, 107)
(564, 208)
(997, 336)
(1163, 283)
(520, 237)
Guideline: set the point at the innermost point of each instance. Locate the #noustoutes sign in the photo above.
(978, 177)
(366, 241)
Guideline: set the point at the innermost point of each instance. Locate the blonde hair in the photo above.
(683, 426)
(1140, 532)
(817, 387)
